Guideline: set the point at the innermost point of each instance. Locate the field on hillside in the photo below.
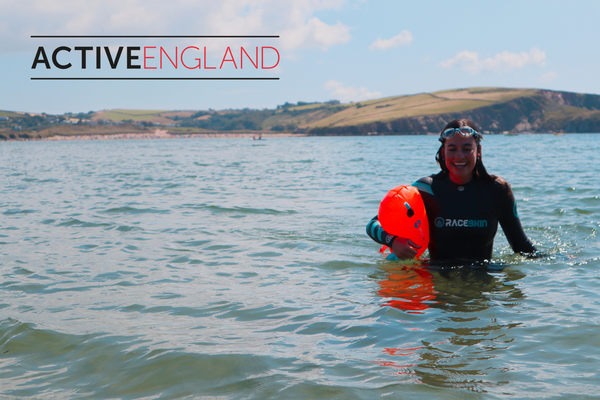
(392, 108)
(313, 115)
(162, 117)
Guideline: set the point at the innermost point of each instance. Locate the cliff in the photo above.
(537, 111)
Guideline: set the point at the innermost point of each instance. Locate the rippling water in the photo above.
(241, 269)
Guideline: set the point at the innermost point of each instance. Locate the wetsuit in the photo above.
(463, 219)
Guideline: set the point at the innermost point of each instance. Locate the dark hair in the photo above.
(479, 171)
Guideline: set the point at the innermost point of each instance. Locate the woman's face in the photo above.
(460, 154)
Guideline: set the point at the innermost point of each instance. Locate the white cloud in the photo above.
(294, 21)
(505, 61)
(404, 38)
(548, 77)
(315, 33)
(349, 93)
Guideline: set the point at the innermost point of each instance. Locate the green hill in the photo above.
(495, 110)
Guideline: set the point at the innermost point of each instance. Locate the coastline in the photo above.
(157, 134)
(139, 133)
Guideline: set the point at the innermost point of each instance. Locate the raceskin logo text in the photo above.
(463, 223)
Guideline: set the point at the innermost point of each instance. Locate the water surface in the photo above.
(241, 269)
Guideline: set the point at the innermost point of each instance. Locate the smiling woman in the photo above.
(464, 204)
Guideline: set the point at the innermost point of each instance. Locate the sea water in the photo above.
(233, 268)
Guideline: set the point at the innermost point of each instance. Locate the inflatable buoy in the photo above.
(402, 213)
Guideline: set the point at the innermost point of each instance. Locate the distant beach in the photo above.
(157, 134)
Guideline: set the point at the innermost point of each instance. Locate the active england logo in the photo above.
(463, 223)
(179, 60)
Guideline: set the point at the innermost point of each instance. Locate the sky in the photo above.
(346, 50)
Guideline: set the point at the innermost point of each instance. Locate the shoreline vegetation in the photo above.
(497, 111)
(161, 134)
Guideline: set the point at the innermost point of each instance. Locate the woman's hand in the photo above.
(404, 248)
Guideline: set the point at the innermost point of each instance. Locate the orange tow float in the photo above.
(402, 213)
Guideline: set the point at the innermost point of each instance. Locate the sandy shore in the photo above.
(159, 134)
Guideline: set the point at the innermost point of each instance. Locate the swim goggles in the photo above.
(463, 130)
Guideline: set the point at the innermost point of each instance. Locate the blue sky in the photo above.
(349, 50)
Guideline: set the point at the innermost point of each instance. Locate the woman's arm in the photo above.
(376, 232)
(511, 224)
(402, 248)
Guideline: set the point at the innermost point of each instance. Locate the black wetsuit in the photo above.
(463, 219)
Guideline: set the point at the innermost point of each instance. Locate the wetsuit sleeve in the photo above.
(511, 224)
(376, 232)
(423, 185)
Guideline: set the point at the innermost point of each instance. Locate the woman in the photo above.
(463, 202)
